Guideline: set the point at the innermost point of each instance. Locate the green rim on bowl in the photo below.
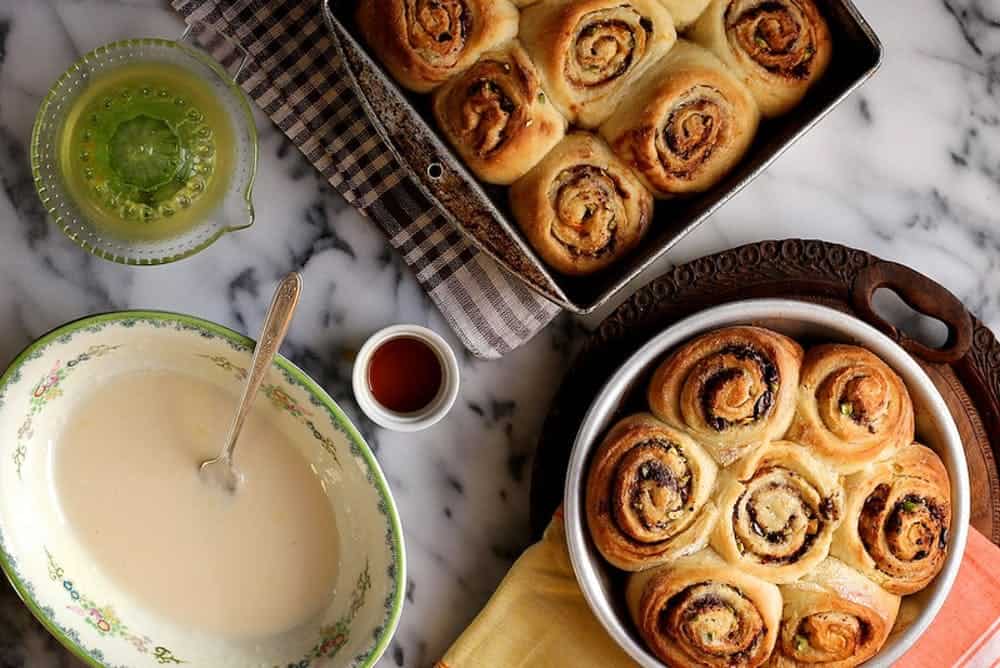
(235, 212)
(394, 603)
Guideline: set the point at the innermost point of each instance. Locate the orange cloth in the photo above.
(539, 618)
(966, 633)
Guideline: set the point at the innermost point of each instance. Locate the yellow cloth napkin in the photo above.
(537, 618)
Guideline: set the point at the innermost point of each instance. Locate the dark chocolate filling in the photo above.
(895, 521)
(620, 25)
(674, 139)
(694, 608)
(769, 376)
(486, 86)
(445, 36)
(661, 475)
(800, 70)
(827, 508)
(582, 173)
(875, 505)
(491, 91)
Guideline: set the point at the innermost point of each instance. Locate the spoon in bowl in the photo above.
(276, 322)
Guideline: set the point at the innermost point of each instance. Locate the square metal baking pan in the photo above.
(404, 121)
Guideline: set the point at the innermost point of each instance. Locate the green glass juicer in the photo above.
(148, 192)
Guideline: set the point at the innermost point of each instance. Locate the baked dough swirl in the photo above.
(699, 611)
(852, 408)
(732, 389)
(497, 116)
(685, 124)
(648, 494)
(589, 51)
(897, 519)
(581, 207)
(778, 507)
(778, 48)
(834, 617)
(425, 42)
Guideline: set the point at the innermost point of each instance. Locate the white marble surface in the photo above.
(909, 169)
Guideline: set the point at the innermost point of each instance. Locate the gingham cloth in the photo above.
(295, 76)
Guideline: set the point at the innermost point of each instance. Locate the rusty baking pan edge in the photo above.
(511, 251)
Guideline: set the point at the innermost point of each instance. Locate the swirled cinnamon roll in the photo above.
(498, 117)
(897, 520)
(581, 207)
(852, 408)
(647, 498)
(589, 51)
(779, 507)
(778, 48)
(684, 12)
(425, 42)
(834, 617)
(699, 611)
(731, 389)
(685, 124)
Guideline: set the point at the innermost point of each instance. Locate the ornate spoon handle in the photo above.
(279, 317)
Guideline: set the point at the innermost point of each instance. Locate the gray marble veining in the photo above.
(909, 169)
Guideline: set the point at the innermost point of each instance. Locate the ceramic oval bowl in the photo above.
(803, 321)
(80, 606)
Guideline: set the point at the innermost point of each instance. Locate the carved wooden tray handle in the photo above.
(922, 295)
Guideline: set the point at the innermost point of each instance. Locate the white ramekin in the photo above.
(430, 414)
(800, 320)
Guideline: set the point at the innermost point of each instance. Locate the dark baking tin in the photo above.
(404, 121)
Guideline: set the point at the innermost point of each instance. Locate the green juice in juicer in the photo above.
(146, 150)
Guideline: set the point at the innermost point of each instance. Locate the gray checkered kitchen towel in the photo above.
(296, 77)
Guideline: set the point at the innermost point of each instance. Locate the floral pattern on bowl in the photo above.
(80, 606)
(47, 389)
(103, 618)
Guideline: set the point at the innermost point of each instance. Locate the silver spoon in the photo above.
(279, 316)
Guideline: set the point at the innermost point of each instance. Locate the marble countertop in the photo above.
(908, 168)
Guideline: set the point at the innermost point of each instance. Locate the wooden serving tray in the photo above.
(966, 369)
